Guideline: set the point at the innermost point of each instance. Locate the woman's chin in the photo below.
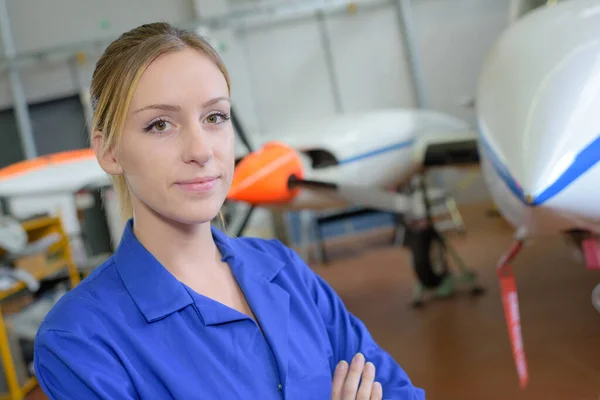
(194, 215)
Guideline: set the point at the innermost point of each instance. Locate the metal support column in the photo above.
(326, 43)
(18, 94)
(84, 94)
(405, 21)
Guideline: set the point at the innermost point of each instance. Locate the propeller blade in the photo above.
(239, 129)
(370, 197)
(294, 182)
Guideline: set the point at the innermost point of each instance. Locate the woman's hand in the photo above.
(346, 378)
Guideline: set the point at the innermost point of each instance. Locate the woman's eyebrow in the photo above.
(174, 108)
(164, 107)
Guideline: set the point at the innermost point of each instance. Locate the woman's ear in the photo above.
(107, 159)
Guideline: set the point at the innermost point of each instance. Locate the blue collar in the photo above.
(157, 293)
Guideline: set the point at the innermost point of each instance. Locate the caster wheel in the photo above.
(477, 291)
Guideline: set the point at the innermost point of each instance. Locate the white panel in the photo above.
(290, 74)
(369, 60)
(38, 24)
(454, 37)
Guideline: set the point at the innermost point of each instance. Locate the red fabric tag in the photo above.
(591, 250)
(510, 301)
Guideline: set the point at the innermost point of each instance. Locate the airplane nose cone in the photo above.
(520, 177)
(535, 176)
(517, 171)
(540, 113)
(262, 176)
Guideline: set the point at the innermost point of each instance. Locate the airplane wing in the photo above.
(61, 172)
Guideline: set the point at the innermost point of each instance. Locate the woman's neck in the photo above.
(181, 248)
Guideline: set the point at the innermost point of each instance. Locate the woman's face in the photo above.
(177, 146)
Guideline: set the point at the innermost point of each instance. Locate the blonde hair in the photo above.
(117, 74)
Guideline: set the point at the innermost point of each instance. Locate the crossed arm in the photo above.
(349, 337)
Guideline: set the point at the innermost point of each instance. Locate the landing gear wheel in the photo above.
(429, 253)
(430, 262)
(428, 257)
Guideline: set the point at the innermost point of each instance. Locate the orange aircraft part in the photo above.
(62, 157)
(262, 176)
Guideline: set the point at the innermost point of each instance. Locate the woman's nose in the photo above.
(196, 146)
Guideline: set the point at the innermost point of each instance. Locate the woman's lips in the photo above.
(198, 185)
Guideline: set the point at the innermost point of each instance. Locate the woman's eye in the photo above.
(158, 126)
(216, 118)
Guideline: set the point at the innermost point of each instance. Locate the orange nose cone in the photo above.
(262, 176)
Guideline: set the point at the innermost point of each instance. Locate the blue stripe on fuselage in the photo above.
(584, 160)
(502, 170)
(376, 152)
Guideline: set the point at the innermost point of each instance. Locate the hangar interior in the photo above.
(369, 94)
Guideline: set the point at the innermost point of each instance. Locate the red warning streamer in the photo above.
(510, 301)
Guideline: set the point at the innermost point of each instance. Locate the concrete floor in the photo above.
(458, 349)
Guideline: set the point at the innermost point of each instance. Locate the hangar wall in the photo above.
(367, 54)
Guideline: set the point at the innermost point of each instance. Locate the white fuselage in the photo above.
(380, 149)
(538, 110)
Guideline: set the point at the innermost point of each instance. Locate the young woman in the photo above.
(181, 310)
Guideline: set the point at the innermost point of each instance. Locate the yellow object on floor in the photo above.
(57, 257)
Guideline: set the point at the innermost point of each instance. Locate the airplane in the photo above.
(359, 159)
(374, 159)
(538, 112)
